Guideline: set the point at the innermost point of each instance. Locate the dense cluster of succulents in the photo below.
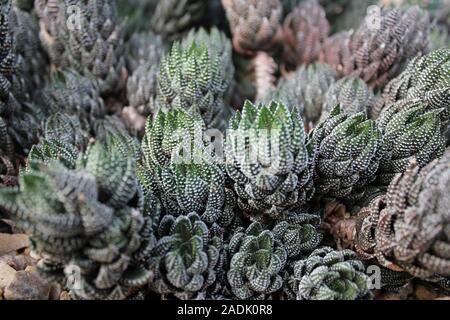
(227, 149)
(87, 220)
(376, 51)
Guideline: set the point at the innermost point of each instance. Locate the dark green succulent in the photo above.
(257, 259)
(172, 18)
(269, 160)
(186, 259)
(409, 132)
(426, 79)
(298, 232)
(87, 37)
(331, 275)
(188, 176)
(348, 154)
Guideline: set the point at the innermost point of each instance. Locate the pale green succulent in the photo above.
(192, 79)
(86, 222)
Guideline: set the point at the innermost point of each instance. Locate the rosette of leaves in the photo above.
(269, 160)
(218, 45)
(255, 25)
(407, 229)
(192, 79)
(142, 48)
(87, 222)
(87, 37)
(306, 90)
(186, 259)
(336, 51)
(172, 18)
(331, 275)
(62, 140)
(304, 30)
(142, 89)
(188, 176)
(74, 94)
(298, 232)
(257, 258)
(426, 78)
(409, 132)
(348, 155)
(352, 94)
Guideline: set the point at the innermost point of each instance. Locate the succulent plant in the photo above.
(63, 139)
(426, 78)
(255, 25)
(269, 160)
(142, 88)
(298, 232)
(7, 58)
(305, 90)
(87, 37)
(352, 94)
(136, 14)
(145, 51)
(143, 48)
(73, 94)
(304, 31)
(31, 60)
(348, 155)
(385, 41)
(186, 259)
(409, 132)
(192, 79)
(331, 275)
(86, 222)
(172, 18)
(407, 229)
(336, 51)
(257, 259)
(7, 172)
(218, 46)
(188, 176)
